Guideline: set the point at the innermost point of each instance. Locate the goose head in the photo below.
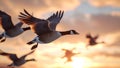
(88, 36)
(74, 32)
(33, 59)
(30, 60)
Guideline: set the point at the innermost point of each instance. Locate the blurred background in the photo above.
(98, 17)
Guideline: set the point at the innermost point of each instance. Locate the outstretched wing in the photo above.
(96, 37)
(39, 26)
(55, 19)
(27, 18)
(11, 56)
(6, 21)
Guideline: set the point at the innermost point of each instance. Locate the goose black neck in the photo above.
(27, 28)
(29, 60)
(65, 32)
(4, 54)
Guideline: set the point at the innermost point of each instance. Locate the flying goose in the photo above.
(45, 29)
(10, 30)
(92, 40)
(69, 54)
(15, 60)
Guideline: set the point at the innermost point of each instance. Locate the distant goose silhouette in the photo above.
(10, 30)
(92, 40)
(17, 61)
(45, 29)
(69, 54)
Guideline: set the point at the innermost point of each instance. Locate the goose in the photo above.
(92, 40)
(69, 54)
(15, 60)
(45, 29)
(10, 30)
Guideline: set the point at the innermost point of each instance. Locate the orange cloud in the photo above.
(39, 6)
(115, 13)
(102, 3)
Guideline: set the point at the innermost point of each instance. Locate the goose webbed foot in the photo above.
(31, 42)
(34, 46)
(3, 40)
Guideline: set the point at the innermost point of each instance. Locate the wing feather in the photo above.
(27, 18)
(6, 21)
(55, 19)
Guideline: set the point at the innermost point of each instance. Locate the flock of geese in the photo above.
(45, 30)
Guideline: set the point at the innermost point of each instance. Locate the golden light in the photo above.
(81, 62)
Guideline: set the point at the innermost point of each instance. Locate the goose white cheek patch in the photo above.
(71, 32)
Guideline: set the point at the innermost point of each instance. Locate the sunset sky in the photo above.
(98, 17)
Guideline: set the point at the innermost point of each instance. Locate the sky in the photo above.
(98, 17)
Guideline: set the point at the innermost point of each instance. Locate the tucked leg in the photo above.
(31, 42)
(34, 46)
(3, 40)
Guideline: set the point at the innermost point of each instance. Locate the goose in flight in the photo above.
(10, 30)
(92, 40)
(69, 54)
(45, 28)
(15, 60)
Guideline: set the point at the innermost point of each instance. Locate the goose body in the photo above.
(10, 30)
(45, 29)
(15, 60)
(13, 32)
(69, 54)
(50, 37)
(92, 40)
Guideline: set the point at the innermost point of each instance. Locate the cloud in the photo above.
(113, 39)
(38, 6)
(115, 13)
(106, 54)
(94, 23)
(102, 3)
(106, 23)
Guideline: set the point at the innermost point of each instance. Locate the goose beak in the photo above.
(77, 33)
